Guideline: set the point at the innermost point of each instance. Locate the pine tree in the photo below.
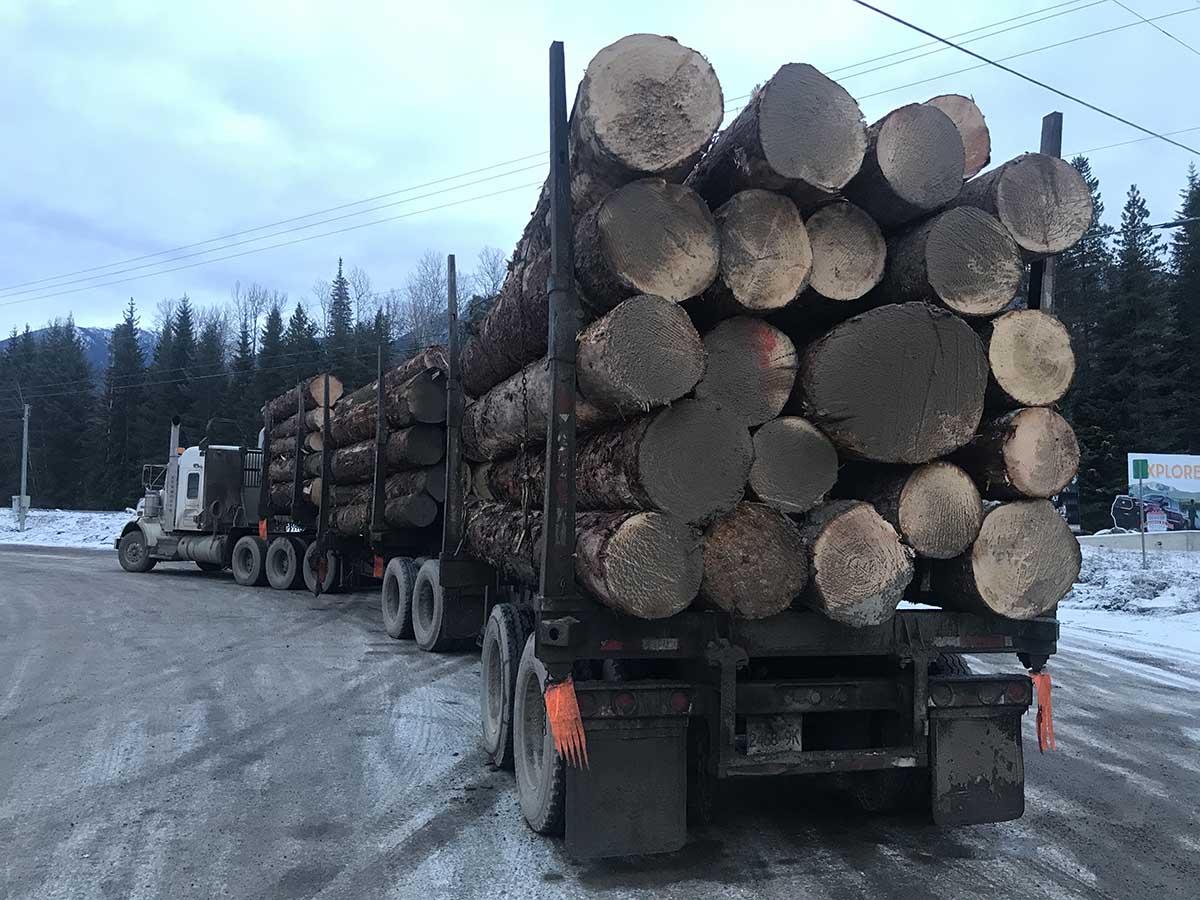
(271, 377)
(302, 345)
(1185, 305)
(122, 443)
(340, 333)
(177, 391)
(241, 385)
(59, 447)
(209, 383)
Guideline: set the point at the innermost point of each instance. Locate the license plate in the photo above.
(773, 734)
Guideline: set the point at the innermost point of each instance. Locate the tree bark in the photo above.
(848, 252)
(417, 445)
(1030, 359)
(690, 459)
(935, 507)
(968, 119)
(754, 564)
(311, 421)
(430, 480)
(1024, 453)
(642, 564)
(413, 511)
(1024, 561)
(857, 567)
(962, 257)
(914, 164)
(801, 133)
(420, 399)
(283, 468)
(902, 383)
(795, 465)
(312, 392)
(1042, 201)
(751, 369)
(281, 494)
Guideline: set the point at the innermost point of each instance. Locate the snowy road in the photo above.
(174, 735)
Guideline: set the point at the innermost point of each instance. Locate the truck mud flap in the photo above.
(633, 797)
(978, 765)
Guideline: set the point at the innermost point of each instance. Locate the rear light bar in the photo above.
(980, 690)
(601, 700)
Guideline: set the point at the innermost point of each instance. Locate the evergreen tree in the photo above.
(158, 410)
(63, 404)
(369, 336)
(241, 385)
(1185, 305)
(209, 385)
(123, 444)
(177, 391)
(302, 345)
(271, 377)
(340, 351)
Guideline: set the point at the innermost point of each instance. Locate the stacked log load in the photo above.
(804, 377)
(414, 398)
(299, 412)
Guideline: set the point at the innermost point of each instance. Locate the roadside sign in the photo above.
(1156, 519)
(1141, 468)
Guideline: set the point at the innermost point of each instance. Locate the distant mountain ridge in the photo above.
(95, 345)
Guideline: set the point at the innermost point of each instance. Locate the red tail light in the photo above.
(624, 703)
(680, 702)
(1018, 692)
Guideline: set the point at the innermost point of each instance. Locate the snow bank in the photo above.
(64, 528)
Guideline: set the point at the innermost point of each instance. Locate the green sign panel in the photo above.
(1141, 468)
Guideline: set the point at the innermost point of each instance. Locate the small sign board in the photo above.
(1141, 468)
(1156, 520)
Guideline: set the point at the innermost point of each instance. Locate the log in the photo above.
(754, 564)
(935, 508)
(751, 369)
(311, 421)
(963, 258)
(914, 164)
(430, 480)
(968, 119)
(417, 445)
(281, 495)
(314, 441)
(1024, 453)
(901, 384)
(283, 468)
(795, 465)
(647, 237)
(414, 511)
(1023, 562)
(312, 392)
(766, 258)
(690, 460)
(1030, 359)
(420, 399)
(857, 567)
(848, 252)
(642, 564)
(801, 133)
(1041, 200)
(314, 464)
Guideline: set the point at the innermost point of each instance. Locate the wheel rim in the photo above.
(133, 552)
(391, 597)
(493, 692)
(243, 561)
(278, 563)
(533, 732)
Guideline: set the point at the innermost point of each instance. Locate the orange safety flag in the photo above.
(1045, 713)
(566, 725)
(262, 528)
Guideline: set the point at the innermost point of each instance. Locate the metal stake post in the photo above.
(1041, 272)
(452, 524)
(1142, 517)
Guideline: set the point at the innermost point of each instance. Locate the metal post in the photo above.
(452, 523)
(1142, 517)
(23, 503)
(558, 559)
(379, 473)
(1041, 272)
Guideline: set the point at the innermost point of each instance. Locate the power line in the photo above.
(1150, 22)
(1140, 140)
(1024, 77)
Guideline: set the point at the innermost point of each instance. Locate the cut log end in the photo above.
(795, 465)
(754, 562)
(921, 155)
(939, 510)
(1032, 363)
(766, 257)
(973, 265)
(1025, 453)
(968, 119)
(651, 567)
(848, 251)
(1043, 202)
(316, 387)
(751, 369)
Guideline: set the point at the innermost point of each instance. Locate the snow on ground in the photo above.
(64, 528)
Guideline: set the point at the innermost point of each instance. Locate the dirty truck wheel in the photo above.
(395, 596)
(508, 627)
(428, 610)
(329, 585)
(950, 664)
(133, 553)
(249, 561)
(209, 566)
(541, 775)
(284, 555)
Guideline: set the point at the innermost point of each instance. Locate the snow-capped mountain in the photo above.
(95, 345)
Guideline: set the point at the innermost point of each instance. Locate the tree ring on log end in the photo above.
(940, 510)
(974, 267)
(794, 466)
(653, 565)
(1041, 454)
(766, 257)
(1031, 357)
(1044, 203)
(968, 119)
(860, 569)
(920, 154)
(751, 369)
(848, 251)
(1025, 559)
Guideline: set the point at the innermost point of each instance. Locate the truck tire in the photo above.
(284, 558)
(541, 773)
(209, 567)
(950, 664)
(249, 561)
(396, 595)
(133, 553)
(508, 628)
(332, 564)
(428, 609)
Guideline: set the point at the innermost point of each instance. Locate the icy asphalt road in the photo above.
(172, 735)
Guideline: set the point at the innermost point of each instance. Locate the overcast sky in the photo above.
(131, 128)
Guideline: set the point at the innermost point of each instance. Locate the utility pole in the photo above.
(23, 499)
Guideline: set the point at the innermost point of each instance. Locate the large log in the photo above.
(417, 445)
(647, 237)
(312, 393)
(311, 421)
(857, 567)
(314, 441)
(420, 399)
(795, 465)
(800, 133)
(1030, 359)
(766, 258)
(914, 164)
(283, 468)
(1023, 562)
(968, 119)
(1024, 453)
(751, 369)
(1041, 200)
(962, 257)
(754, 562)
(413, 511)
(848, 252)
(902, 383)
(690, 459)
(643, 564)
(281, 495)
(430, 480)
(935, 507)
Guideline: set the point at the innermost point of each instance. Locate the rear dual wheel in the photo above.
(504, 637)
(399, 579)
(249, 561)
(311, 566)
(541, 773)
(285, 557)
